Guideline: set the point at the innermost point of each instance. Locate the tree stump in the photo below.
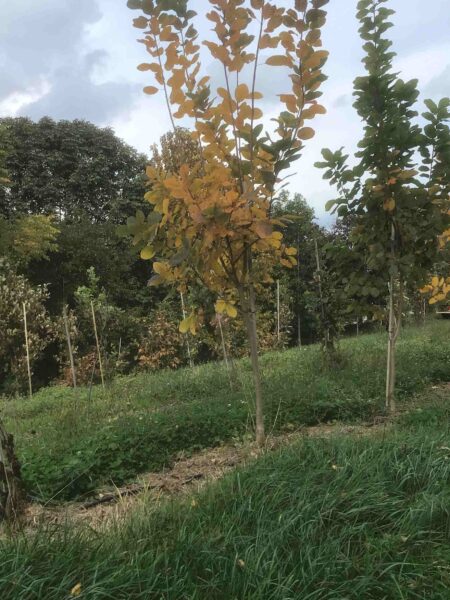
(11, 489)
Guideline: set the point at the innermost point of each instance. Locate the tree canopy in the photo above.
(70, 169)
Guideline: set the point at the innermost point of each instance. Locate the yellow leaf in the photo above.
(291, 251)
(389, 204)
(231, 310)
(242, 92)
(435, 281)
(291, 102)
(306, 133)
(150, 90)
(220, 306)
(147, 253)
(279, 60)
(188, 324)
(76, 590)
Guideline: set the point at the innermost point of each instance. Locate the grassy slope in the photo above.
(326, 519)
(69, 445)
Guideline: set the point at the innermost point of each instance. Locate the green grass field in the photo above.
(324, 519)
(327, 518)
(70, 445)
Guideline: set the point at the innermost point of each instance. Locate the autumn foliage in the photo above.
(211, 221)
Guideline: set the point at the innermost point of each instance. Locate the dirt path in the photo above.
(188, 474)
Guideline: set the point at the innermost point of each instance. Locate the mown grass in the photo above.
(325, 519)
(70, 445)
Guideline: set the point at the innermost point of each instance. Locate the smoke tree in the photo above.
(211, 222)
(399, 204)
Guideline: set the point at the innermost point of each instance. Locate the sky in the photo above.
(76, 59)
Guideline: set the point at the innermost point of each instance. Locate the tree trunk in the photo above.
(11, 491)
(249, 310)
(395, 319)
(390, 372)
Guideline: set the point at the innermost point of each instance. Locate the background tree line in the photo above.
(65, 189)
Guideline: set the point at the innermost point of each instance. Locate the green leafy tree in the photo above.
(15, 290)
(71, 169)
(27, 238)
(4, 179)
(300, 231)
(399, 215)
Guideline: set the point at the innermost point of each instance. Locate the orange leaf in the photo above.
(150, 90)
(306, 133)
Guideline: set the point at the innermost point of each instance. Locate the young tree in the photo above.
(212, 221)
(399, 215)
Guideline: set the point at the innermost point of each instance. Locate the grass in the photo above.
(326, 519)
(70, 445)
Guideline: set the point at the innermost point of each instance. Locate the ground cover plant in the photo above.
(326, 518)
(70, 442)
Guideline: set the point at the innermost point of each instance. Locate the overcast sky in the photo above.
(77, 59)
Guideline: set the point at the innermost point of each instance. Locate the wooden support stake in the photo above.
(319, 281)
(278, 311)
(224, 349)
(183, 309)
(98, 345)
(69, 346)
(30, 389)
(299, 325)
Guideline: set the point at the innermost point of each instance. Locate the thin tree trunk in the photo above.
(299, 331)
(11, 489)
(30, 388)
(249, 310)
(69, 346)
(390, 373)
(357, 327)
(395, 321)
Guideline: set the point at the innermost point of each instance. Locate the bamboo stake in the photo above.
(278, 310)
(30, 389)
(299, 325)
(98, 345)
(69, 345)
(183, 309)
(319, 280)
(224, 350)
(119, 351)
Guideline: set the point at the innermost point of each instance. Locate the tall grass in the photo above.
(70, 444)
(326, 519)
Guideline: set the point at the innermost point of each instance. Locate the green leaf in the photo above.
(328, 155)
(432, 106)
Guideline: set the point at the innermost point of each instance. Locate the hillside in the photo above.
(71, 443)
